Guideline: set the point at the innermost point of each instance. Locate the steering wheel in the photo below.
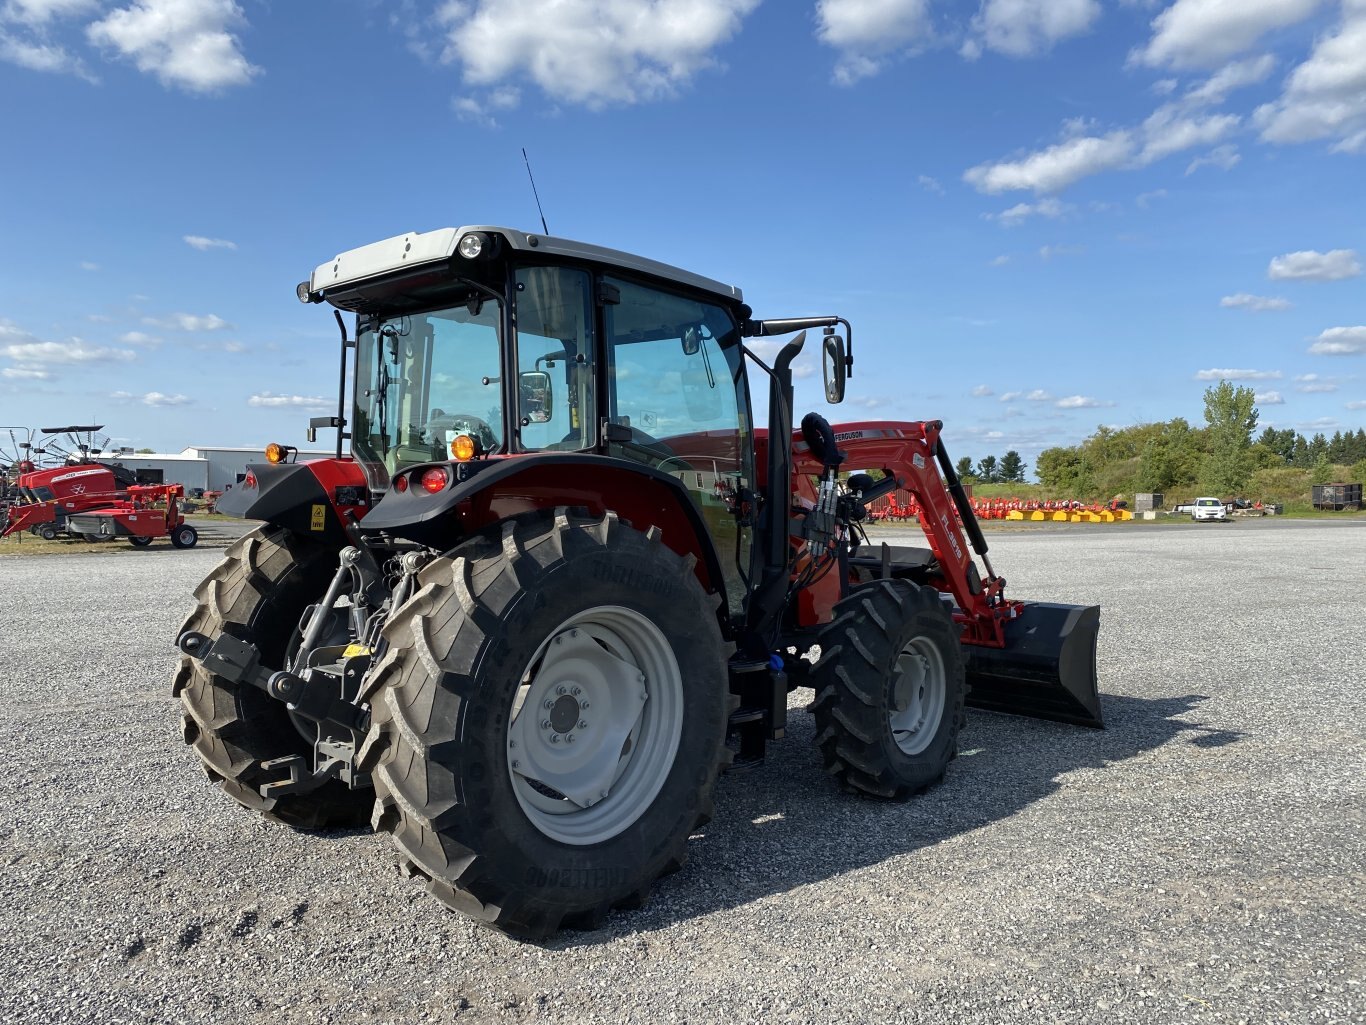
(463, 423)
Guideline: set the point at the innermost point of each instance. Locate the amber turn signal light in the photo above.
(275, 453)
(463, 448)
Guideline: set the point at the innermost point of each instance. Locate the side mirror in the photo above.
(537, 397)
(692, 340)
(832, 356)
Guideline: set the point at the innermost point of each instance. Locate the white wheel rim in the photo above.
(595, 725)
(918, 695)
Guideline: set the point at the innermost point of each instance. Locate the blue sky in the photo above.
(1040, 215)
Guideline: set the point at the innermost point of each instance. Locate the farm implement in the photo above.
(557, 581)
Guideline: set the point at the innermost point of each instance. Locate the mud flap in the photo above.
(1047, 670)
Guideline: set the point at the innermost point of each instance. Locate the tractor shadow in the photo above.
(786, 824)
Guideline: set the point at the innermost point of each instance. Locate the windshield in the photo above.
(421, 380)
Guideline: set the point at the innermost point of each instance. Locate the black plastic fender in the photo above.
(288, 495)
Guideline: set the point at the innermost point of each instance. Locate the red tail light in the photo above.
(401, 483)
(435, 479)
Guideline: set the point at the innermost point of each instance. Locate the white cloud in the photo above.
(1203, 33)
(1038, 395)
(1237, 75)
(25, 374)
(36, 13)
(1340, 341)
(1255, 303)
(1357, 404)
(38, 55)
(75, 351)
(1081, 402)
(1021, 212)
(188, 322)
(1238, 375)
(139, 338)
(480, 111)
(1268, 398)
(1026, 28)
(1048, 252)
(592, 53)
(1224, 157)
(1056, 167)
(866, 32)
(1311, 265)
(1315, 384)
(267, 400)
(87, 265)
(156, 398)
(1325, 97)
(1144, 198)
(982, 390)
(185, 43)
(1168, 130)
(999, 261)
(930, 184)
(201, 243)
(1010, 396)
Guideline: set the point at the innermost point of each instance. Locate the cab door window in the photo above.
(555, 364)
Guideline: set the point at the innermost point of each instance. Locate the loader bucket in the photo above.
(1047, 670)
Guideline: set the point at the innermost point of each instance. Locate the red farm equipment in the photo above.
(83, 497)
(557, 582)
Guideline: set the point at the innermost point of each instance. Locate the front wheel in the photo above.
(889, 689)
(137, 541)
(549, 721)
(184, 536)
(47, 532)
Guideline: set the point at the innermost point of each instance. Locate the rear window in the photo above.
(1208, 502)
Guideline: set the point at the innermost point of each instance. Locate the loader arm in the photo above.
(1023, 657)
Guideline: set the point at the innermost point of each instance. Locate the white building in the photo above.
(211, 468)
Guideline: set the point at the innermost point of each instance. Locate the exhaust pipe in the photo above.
(1047, 669)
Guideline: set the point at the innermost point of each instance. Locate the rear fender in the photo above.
(310, 499)
(482, 493)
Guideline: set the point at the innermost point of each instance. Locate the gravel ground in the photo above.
(1202, 860)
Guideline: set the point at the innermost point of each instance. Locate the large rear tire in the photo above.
(889, 689)
(258, 594)
(548, 721)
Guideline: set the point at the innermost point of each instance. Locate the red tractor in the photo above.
(559, 581)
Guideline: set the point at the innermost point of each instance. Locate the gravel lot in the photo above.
(1202, 860)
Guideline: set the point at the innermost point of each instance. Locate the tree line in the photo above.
(1009, 469)
(1221, 458)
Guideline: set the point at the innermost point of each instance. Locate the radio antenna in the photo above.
(534, 192)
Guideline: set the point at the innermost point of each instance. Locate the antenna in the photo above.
(534, 192)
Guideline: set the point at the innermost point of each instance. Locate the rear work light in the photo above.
(435, 479)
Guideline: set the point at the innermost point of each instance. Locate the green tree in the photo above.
(1358, 473)
(987, 470)
(964, 469)
(1231, 413)
(147, 451)
(1012, 468)
(1322, 471)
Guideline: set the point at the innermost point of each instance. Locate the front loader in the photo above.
(554, 581)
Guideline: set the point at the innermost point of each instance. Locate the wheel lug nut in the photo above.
(583, 724)
(549, 704)
(545, 724)
(555, 739)
(561, 690)
(584, 705)
(569, 738)
(576, 691)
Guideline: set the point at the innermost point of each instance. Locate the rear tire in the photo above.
(547, 612)
(889, 690)
(139, 542)
(258, 594)
(47, 532)
(185, 536)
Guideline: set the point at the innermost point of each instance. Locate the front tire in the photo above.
(185, 536)
(258, 594)
(889, 689)
(549, 721)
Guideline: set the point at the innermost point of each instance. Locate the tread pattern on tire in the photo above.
(234, 729)
(437, 640)
(858, 649)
